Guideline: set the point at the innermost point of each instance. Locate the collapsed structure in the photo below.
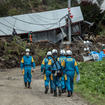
(44, 25)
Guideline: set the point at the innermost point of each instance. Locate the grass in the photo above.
(92, 83)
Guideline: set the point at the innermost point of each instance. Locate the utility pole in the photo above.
(69, 22)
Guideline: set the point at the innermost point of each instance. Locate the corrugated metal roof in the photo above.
(42, 21)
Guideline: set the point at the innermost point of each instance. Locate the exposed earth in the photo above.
(12, 91)
(11, 52)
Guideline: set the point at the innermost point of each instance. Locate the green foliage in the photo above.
(3, 10)
(93, 13)
(5, 57)
(92, 81)
(42, 53)
(35, 3)
(13, 11)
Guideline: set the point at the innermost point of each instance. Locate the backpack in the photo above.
(59, 72)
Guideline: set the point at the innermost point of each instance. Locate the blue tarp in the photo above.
(101, 54)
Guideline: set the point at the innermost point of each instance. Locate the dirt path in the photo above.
(12, 92)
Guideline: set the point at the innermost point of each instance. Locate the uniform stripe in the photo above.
(22, 61)
(63, 63)
(75, 63)
(32, 59)
(49, 63)
(43, 62)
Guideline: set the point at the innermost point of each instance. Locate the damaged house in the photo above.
(44, 25)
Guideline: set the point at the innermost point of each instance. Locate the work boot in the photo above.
(55, 93)
(51, 90)
(69, 94)
(46, 89)
(25, 85)
(29, 85)
(60, 91)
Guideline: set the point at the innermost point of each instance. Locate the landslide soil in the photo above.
(12, 52)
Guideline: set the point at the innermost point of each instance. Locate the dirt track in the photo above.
(12, 92)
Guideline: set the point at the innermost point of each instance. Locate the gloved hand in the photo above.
(33, 70)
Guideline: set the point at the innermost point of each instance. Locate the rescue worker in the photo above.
(55, 66)
(30, 36)
(60, 59)
(47, 73)
(26, 63)
(70, 65)
(14, 33)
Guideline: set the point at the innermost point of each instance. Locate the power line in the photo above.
(11, 27)
(15, 26)
(3, 32)
(38, 22)
(91, 11)
(47, 18)
(30, 22)
(41, 18)
(45, 21)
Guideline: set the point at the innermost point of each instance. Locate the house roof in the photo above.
(37, 22)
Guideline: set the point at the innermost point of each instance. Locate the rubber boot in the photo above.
(46, 89)
(51, 90)
(29, 85)
(69, 94)
(25, 85)
(60, 91)
(55, 93)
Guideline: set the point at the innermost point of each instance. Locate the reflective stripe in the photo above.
(65, 77)
(49, 63)
(22, 61)
(44, 76)
(51, 77)
(63, 63)
(43, 62)
(23, 72)
(75, 63)
(32, 60)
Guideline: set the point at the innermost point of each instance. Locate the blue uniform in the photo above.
(52, 66)
(60, 59)
(26, 64)
(48, 74)
(70, 68)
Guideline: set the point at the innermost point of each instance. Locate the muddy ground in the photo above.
(11, 52)
(12, 91)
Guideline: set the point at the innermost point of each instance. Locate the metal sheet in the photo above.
(37, 22)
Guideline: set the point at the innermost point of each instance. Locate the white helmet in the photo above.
(49, 53)
(54, 51)
(27, 50)
(68, 52)
(62, 52)
(103, 44)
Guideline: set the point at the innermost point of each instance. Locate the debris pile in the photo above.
(11, 52)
